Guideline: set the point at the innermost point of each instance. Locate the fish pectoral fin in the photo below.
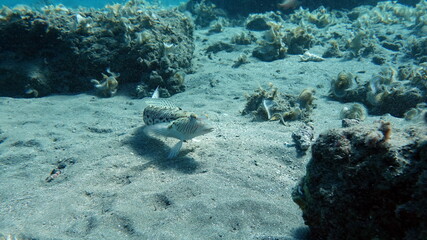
(161, 129)
(175, 150)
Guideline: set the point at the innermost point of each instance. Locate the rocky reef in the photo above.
(389, 91)
(366, 182)
(246, 7)
(274, 105)
(354, 34)
(59, 50)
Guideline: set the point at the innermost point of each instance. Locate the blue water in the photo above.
(85, 3)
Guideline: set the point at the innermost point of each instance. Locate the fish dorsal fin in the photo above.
(156, 101)
(156, 93)
(160, 102)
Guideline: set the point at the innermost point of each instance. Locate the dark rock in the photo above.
(257, 24)
(298, 40)
(398, 101)
(49, 51)
(365, 182)
(303, 137)
(391, 46)
(275, 105)
(378, 60)
(332, 51)
(243, 38)
(389, 96)
(418, 49)
(220, 46)
(204, 12)
(350, 122)
(269, 52)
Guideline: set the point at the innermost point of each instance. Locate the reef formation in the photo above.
(235, 8)
(366, 182)
(396, 92)
(375, 34)
(274, 105)
(59, 50)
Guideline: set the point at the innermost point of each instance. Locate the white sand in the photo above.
(234, 183)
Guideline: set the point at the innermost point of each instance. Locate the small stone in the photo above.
(303, 137)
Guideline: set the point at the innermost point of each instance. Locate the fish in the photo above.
(162, 114)
(163, 118)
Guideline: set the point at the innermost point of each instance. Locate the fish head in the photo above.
(190, 127)
(204, 128)
(183, 128)
(203, 125)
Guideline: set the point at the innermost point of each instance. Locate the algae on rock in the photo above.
(370, 178)
(75, 45)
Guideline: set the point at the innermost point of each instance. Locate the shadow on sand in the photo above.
(155, 151)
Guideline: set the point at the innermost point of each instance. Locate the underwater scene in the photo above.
(213, 119)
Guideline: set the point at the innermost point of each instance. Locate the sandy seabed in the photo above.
(116, 183)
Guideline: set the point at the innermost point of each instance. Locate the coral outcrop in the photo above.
(366, 182)
(389, 91)
(204, 12)
(58, 49)
(298, 40)
(274, 105)
(236, 8)
(355, 111)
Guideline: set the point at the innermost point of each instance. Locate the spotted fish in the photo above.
(160, 114)
(163, 118)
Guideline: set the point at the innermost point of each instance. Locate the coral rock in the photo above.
(363, 183)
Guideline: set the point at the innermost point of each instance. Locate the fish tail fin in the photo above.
(175, 150)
